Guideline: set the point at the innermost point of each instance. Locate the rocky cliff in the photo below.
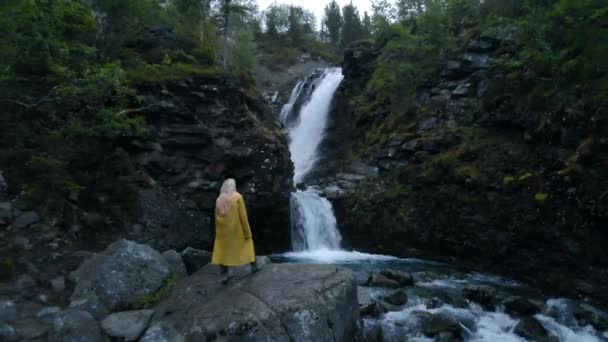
(476, 170)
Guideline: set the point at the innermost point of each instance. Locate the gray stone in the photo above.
(26, 219)
(93, 220)
(195, 259)
(282, 302)
(6, 211)
(481, 294)
(373, 333)
(120, 275)
(58, 284)
(176, 264)
(128, 325)
(91, 304)
(333, 192)
(396, 298)
(75, 326)
(8, 311)
(435, 324)
(403, 278)
(531, 328)
(51, 310)
(380, 280)
(23, 243)
(462, 90)
(25, 284)
(586, 314)
(521, 307)
(8, 333)
(371, 310)
(428, 124)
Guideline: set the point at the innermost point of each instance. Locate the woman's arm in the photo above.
(243, 217)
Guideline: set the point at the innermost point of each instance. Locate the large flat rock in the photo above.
(282, 302)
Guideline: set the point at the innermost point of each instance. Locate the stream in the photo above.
(441, 302)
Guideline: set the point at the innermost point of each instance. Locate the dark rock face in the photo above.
(474, 172)
(530, 328)
(521, 307)
(280, 302)
(202, 132)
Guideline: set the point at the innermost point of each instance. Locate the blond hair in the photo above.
(225, 199)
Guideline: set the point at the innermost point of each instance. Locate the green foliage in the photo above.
(148, 301)
(397, 192)
(152, 73)
(243, 55)
(541, 198)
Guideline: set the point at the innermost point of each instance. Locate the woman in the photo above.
(233, 244)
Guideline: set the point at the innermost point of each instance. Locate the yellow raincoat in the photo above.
(233, 242)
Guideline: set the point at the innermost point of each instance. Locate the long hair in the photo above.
(225, 199)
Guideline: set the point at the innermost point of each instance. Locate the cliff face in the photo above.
(202, 132)
(476, 171)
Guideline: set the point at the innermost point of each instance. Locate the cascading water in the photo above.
(313, 222)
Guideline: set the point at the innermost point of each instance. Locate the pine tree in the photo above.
(332, 20)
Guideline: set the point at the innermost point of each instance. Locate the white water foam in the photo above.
(325, 255)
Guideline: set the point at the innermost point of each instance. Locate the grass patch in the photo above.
(148, 301)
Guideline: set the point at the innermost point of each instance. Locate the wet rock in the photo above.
(58, 284)
(176, 264)
(372, 310)
(25, 220)
(281, 302)
(531, 328)
(128, 325)
(120, 275)
(364, 294)
(73, 326)
(333, 192)
(8, 311)
(380, 280)
(93, 220)
(462, 90)
(403, 278)
(588, 315)
(23, 243)
(396, 298)
(25, 284)
(6, 211)
(484, 295)
(428, 124)
(373, 333)
(195, 259)
(8, 333)
(521, 307)
(435, 324)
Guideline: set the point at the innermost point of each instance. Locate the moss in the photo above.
(572, 167)
(541, 198)
(397, 192)
(148, 301)
(526, 176)
(7, 267)
(508, 181)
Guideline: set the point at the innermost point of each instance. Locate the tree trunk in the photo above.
(203, 13)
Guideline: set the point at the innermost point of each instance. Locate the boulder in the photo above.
(120, 275)
(588, 315)
(8, 333)
(396, 298)
(58, 284)
(25, 284)
(371, 310)
(30, 328)
(128, 325)
(281, 302)
(521, 307)
(74, 326)
(8, 311)
(403, 278)
(484, 295)
(435, 324)
(380, 280)
(530, 328)
(195, 259)
(25, 220)
(176, 264)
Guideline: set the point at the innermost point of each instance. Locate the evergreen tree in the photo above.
(351, 25)
(332, 20)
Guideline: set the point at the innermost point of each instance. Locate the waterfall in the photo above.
(313, 225)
